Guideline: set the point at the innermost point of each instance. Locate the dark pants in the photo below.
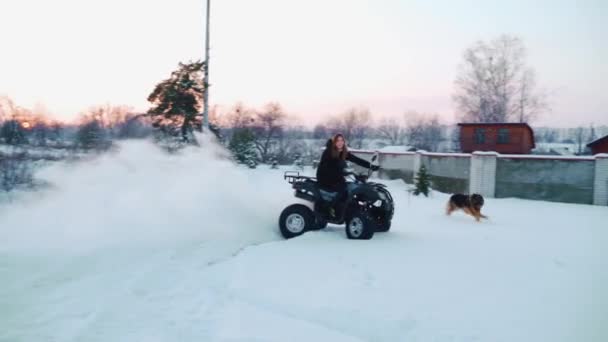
(343, 190)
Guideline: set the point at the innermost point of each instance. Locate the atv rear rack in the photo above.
(295, 177)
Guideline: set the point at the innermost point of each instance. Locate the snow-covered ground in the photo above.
(138, 246)
(559, 148)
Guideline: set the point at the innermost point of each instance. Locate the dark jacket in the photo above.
(330, 172)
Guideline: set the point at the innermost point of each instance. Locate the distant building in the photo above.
(599, 146)
(507, 138)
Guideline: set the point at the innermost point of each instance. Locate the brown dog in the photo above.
(470, 204)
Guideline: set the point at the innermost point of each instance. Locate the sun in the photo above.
(25, 125)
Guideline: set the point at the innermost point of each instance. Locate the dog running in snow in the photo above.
(470, 204)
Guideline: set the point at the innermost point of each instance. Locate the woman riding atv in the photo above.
(330, 172)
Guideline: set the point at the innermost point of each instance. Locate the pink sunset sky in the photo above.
(315, 57)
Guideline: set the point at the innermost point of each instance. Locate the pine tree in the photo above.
(243, 147)
(92, 135)
(423, 182)
(177, 102)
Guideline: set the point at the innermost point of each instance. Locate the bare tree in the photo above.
(117, 116)
(455, 139)
(361, 127)
(286, 144)
(109, 117)
(240, 116)
(423, 131)
(320, 132)
(41, 131)
(136, 126)
(354, 124)
(494, 84)
(579, 137)
(269, 125)
(529, 101)
(592, 135)
(7, 108)
(549, 135)
(392, 130)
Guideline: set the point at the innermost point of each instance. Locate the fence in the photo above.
(549, 178)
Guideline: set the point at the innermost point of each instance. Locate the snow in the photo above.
(140, 246)
(396, 149)
(545, 157)
(40, 153)
(451, 154)
(561, 148)
(485, 153)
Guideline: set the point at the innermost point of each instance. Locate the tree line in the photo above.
(95, 128)
(494, 83)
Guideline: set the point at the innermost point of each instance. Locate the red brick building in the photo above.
(507, 138)
(599, 146)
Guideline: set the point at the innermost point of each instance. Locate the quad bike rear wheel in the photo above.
(295, 220)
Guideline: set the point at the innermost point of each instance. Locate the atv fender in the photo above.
(364, 193)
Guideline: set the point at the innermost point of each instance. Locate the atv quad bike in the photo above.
(368, 207)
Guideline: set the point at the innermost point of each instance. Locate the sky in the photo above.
(315, 57)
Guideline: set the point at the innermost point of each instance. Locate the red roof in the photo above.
(597, 141)
(517, 124)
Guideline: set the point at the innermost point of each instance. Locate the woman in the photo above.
(330, 172)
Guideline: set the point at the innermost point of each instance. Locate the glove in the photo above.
(375, 167)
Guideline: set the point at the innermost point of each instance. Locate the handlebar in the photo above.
(364, 177)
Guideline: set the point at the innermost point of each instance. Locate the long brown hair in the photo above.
(334, 151)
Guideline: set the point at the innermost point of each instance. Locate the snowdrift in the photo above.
(140, 195)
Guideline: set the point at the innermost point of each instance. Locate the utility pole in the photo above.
(206, 79)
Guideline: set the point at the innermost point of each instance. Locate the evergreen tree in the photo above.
(422, 182)
(177, 102)
(243, 146)
(92, 135)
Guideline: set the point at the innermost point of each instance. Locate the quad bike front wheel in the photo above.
(295, 220)
(360, 226)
